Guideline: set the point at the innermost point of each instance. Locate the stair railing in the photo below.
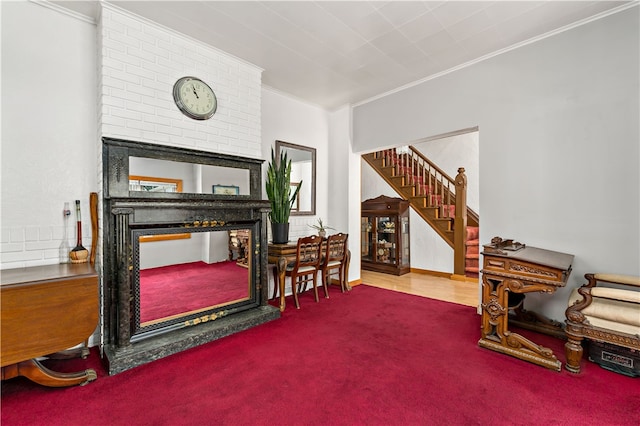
(439, 189)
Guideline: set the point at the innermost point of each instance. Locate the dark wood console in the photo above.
(46, 309)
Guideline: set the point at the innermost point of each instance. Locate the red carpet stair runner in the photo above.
(432, 194)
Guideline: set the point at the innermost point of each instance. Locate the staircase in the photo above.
(437, 198)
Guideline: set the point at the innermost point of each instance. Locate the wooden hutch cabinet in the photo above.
(385, 235)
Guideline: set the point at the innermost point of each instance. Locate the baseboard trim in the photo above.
(429, 272)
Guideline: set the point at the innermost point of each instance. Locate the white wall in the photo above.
(344, 185)
(49, 128)
(559, 151)
(288, 119)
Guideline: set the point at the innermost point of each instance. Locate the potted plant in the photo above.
(321, 228)
(278, 187)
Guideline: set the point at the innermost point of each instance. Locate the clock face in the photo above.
(195, 98)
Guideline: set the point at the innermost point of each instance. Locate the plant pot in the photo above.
(280, 233)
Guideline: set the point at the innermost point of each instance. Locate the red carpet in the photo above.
(174, 289)
(367, 357)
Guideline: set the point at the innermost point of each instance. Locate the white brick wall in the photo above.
(140, 62)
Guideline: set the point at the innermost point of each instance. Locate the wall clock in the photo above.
(195, 98)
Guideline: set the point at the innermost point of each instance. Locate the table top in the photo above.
(33, 274)
(552, 259)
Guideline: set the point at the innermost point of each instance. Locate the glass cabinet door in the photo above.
(366, 239)
(404, 234)
(386, 240)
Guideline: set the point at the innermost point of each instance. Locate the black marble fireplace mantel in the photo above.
(201, 220)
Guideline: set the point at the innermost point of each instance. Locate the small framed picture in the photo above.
(226, 190)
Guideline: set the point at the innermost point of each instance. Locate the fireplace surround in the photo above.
(204, 222)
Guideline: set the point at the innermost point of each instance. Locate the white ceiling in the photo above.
(333, 53)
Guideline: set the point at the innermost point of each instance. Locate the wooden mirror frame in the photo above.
(312, 151)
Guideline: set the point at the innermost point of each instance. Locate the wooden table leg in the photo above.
(282, 266)
(346, 271)
(40, 374)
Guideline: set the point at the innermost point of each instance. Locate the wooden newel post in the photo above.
(460, 224)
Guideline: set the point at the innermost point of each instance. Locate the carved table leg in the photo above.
(38, 373)
(495, 327)
(573, 351)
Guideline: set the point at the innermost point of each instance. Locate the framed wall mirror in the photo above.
(303, 170)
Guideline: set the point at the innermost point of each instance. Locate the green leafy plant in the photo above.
(278, 186)
(320, 227)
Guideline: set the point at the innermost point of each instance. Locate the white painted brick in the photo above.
(41, 245)
(165, 103)
(140, 125)
(108, 44)
(11, 248)
(140, 89)
(156, 51)
(124, 94)
(123, 57)
(157, 34)
(21, 256)
(114, 102)
(156, 58)
(31, 233)
(172, 131)
(138, 34)
(17, 235)
(134, 106)
(171, 64)
(170, 46)
(123, 39)
(113, 120)
(109, 82)
(121, 75)
(142, 54)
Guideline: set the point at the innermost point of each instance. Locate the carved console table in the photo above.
(511, 270)
(46, 309)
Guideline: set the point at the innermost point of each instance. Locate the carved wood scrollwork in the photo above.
(523, 268)
(118, 166)
(494, 309)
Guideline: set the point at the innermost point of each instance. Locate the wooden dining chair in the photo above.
(304, 268)
(334, 261)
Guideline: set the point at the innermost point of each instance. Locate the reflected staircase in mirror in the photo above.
(437, 198)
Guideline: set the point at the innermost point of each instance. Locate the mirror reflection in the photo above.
(181, 277)
(303, 169)
(194, 178)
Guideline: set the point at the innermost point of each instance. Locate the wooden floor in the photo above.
(461, 292)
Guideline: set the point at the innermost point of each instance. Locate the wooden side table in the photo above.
(44, 310)
(512, 269)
